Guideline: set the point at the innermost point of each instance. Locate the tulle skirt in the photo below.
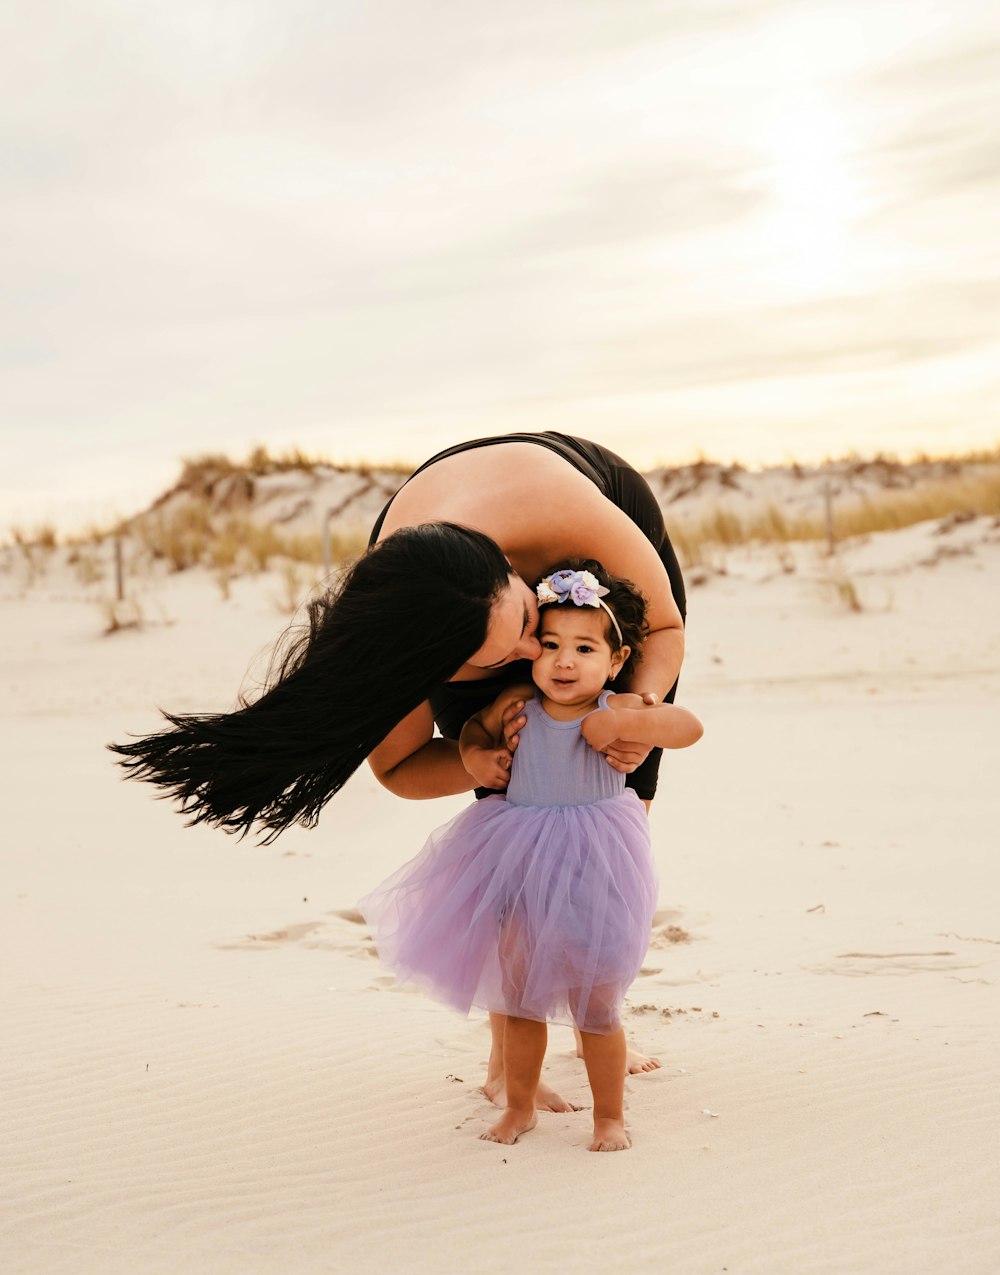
(538, 912)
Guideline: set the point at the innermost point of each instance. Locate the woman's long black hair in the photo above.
(404, 618)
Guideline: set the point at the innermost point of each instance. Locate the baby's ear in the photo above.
(618, 660)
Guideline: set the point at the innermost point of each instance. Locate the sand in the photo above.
(205, 1068)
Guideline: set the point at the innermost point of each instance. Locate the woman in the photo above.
(438, 616)
(540, 497)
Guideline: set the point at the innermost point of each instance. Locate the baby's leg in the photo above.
(494, 1088)
(546, 1098)
(605, 1060)
(523, 1050)
(512, 951)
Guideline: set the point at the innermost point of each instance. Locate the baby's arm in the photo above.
(657, 725)
(483, 744)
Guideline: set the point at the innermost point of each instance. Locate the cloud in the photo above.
(228, 220)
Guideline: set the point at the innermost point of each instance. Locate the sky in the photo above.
(754, 230)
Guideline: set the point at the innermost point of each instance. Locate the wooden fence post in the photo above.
(326, 543)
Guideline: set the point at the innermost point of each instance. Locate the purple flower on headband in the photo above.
(585, 594)
(580, 587)
(561, 583)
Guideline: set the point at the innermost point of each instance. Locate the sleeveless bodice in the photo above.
(555, 766)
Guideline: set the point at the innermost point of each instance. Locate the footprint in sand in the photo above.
(668, 935)
(274, 938)
(337, 937)
(858, 964)
(668, 929)
(358, 945)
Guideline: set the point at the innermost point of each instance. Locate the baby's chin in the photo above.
(571, 694)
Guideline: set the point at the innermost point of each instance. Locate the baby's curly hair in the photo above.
(624, 599)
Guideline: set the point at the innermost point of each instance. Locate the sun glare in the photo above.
(805, 121)
(809, 226)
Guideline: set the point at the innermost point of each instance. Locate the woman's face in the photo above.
(512, 628)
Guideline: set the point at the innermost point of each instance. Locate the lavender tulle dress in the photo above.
(537, 903)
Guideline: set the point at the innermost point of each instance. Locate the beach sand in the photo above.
(205, 1068)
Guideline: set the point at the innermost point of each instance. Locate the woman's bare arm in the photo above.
(410, 762)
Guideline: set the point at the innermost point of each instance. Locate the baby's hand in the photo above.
(486, 757)
(489, 767)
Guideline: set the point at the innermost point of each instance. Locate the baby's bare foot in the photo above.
(636, 1062)
(610, 1135)
(510, 1126)
(546, 1098)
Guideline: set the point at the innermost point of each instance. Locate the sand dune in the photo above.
(205, 1068)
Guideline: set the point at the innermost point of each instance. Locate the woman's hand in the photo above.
(625, 756)
(511, 722)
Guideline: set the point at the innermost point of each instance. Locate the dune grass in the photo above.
(965, 495)
(202, 473)
(206, 518)
(43, 537)
(893, 508)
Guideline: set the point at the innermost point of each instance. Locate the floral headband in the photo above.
(580, 587)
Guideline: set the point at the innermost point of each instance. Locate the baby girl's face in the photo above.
(576, 659)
